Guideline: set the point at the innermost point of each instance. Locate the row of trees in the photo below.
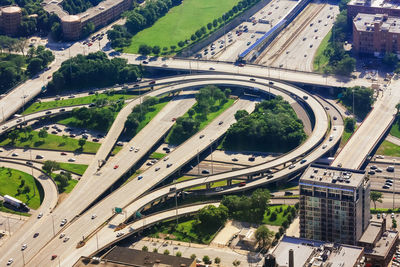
(139, 19)
(363, 99)
(93, 70)
(245, 208)
(78, 6)
(16, 68)
(209, 99)
(273, 127)
(139, 114)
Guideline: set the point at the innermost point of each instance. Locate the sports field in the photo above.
(180, 23)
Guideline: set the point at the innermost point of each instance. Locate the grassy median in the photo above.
(73, 167)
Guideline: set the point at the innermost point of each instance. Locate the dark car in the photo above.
(205, 172)
(62, 110)
(242, 184)
(48, 112)
(35, 235)
(92, 105)
(252, 158)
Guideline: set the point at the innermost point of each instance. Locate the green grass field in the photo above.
(346, 136)
(388, 149)
(10, 180)
(280, 217)
(395, 130)
(157, 155)
(35, 107)
(52, 142)
(320, 60)
(71, 185)
(180, 23)
(72, 167)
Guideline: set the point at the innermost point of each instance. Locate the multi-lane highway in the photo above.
(371, 130)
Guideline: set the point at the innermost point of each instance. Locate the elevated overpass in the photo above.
(84, 225)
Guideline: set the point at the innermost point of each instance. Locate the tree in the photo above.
(13, 135)
(273, 216)
(179, 254)
(394, 223)
(398, 108)
(27, 189)
(211, 216)
(156, 50)
(349, 124)
(155, 250)
(264, 236)
(191, 112)
(209, 26)
(166, 252)
(49, 166)
(236, 263)
(390, 60)
(145, 248)
(376, 197)
(217, 260)
(145, 49)
(193, 256)
(206, 259)
(34, 66)
(82, 142)
(345, 66)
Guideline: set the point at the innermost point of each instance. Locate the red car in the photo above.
(241, 65)
(89, 44)
(116, 166)
(152, 82)
(53, 257)
(49, 77)
(242, 184)
(173, 119)
(63, 153)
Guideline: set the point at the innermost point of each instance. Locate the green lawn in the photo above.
(71, 185)
(35, 107)
(10, 181)
(280, 217)
(395, 130)
(388, 149)
(157, 155)
(72, 167)
(346, 136)
(210, 117)
(319, 55)
(186, 231)
(180, 23)
(52, 142)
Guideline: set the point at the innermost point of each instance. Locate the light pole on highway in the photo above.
(30, 156)
(23, 258)
(394, 177)
(212, 167)
(52, 220)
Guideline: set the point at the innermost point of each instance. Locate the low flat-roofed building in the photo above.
(390, 7)
(122, 256)
(305, 252)
(379, 244)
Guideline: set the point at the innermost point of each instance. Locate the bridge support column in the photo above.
(182, 194)
(208, 186)
(249, 177)
(229, 182)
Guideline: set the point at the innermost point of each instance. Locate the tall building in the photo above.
(10, 19)
(376, 34)
(334, 204)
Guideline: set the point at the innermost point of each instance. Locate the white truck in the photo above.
(15, 202)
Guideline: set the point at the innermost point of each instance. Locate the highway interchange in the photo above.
(138, 193)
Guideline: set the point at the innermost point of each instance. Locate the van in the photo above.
(390, 169)
(39, 157)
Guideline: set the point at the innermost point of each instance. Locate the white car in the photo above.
(292, 166)
(63, 222)
(324, 146)
(131, 149)
(40, 215)
(62, 235)
(66, 239)
(24, 246)
(94, 216)
(10, 261)
(120, 234)
(71, 160)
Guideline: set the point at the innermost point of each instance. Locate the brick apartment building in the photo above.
(376, 34)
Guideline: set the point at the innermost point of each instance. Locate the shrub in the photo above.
(273, 216)
(206, 259)
(166, 252)
(155, 250)
(145, 248)
(193, 256)
(179, 254)
(217, 260)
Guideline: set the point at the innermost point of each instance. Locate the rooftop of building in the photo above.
(383, 244)
(11, 9)
(316, 253)
(54, 6)
(391, 4)
(133, 257)
(372, 231)
(365, 22)
(339, 177)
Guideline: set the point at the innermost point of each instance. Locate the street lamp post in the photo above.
(23, 258)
